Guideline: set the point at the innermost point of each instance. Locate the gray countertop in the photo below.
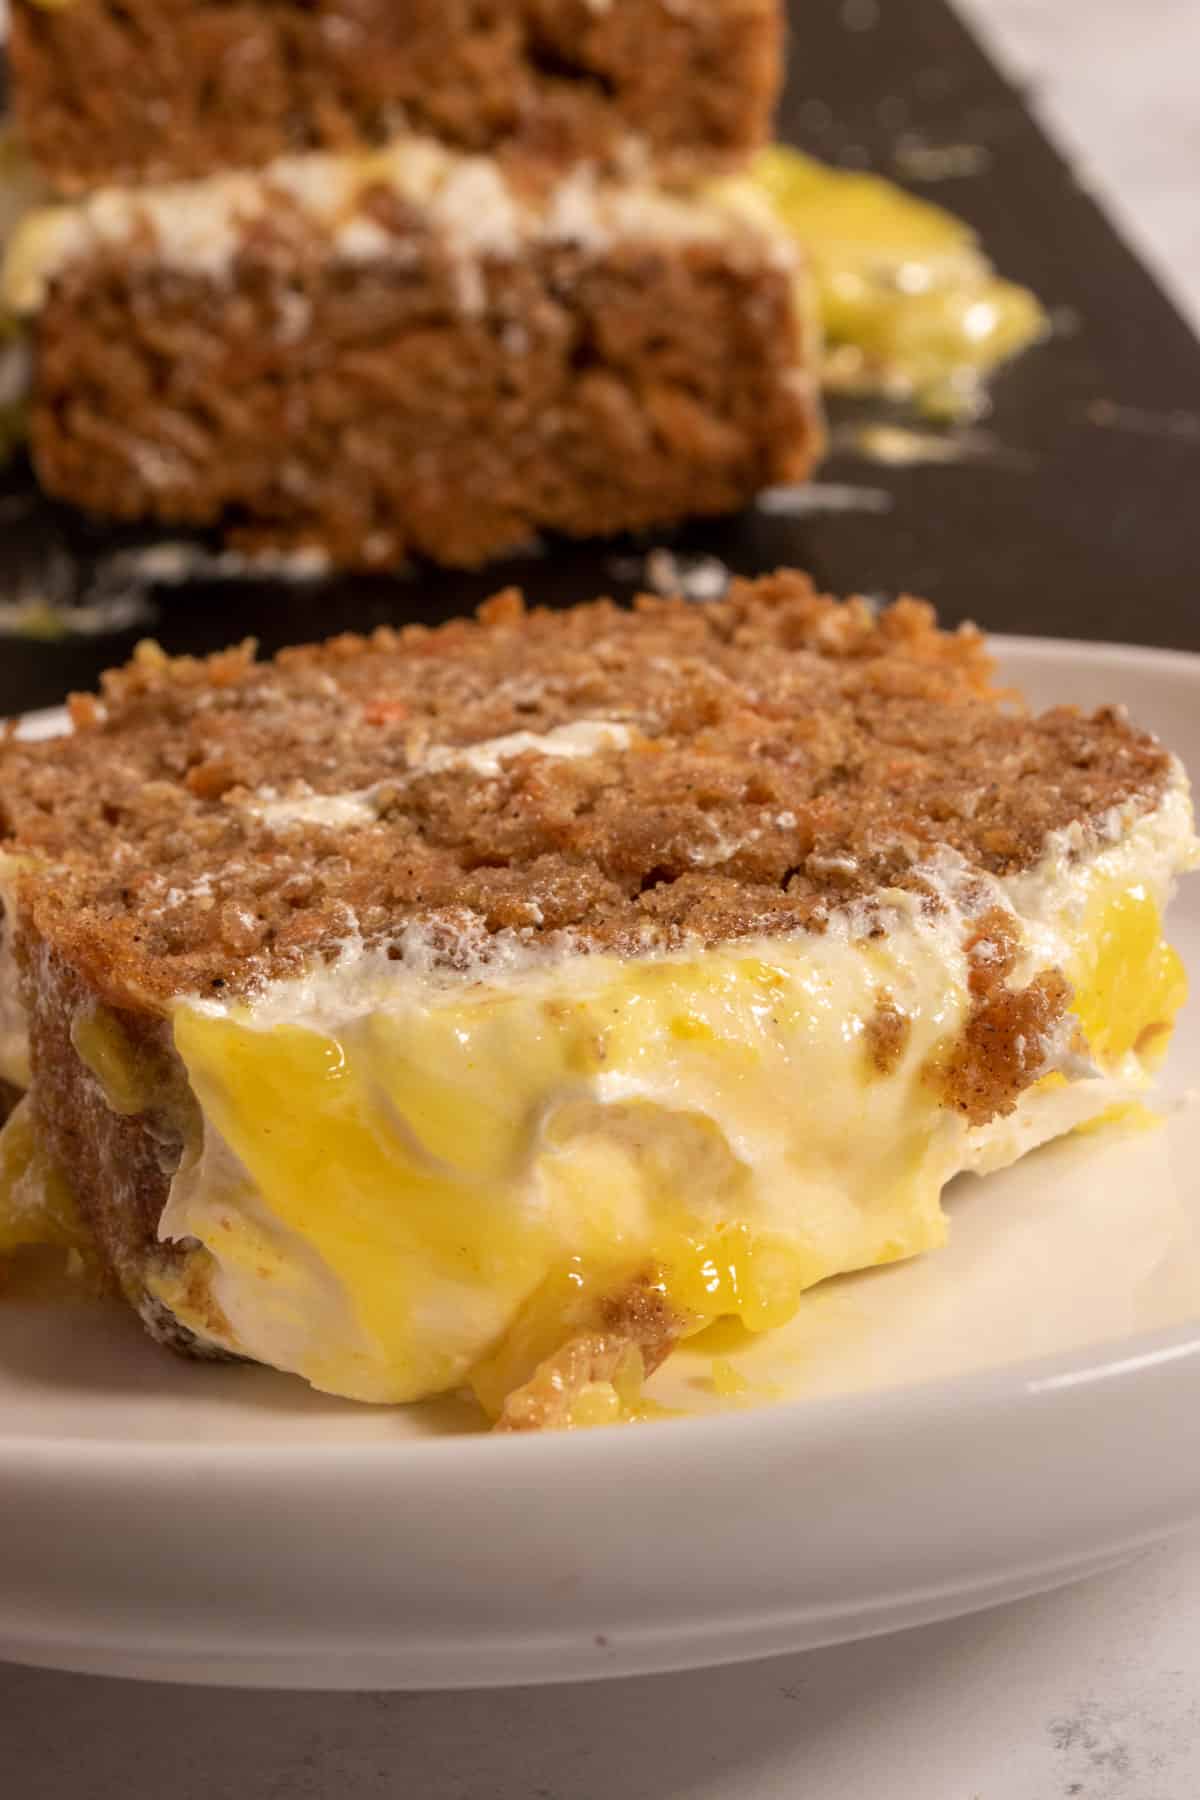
(1092, 1693)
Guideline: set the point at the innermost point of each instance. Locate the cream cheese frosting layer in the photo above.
(475, 209)
(581, 738)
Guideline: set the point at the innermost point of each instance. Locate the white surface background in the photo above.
(1089, 1694)
(1118, 82)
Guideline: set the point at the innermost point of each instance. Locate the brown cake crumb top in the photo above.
(783, 754)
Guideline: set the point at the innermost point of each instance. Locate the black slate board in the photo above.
(1081, 528)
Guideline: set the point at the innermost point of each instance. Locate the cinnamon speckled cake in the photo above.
(414, 353)
(488, 1007)
(376, 282)
(164, 90)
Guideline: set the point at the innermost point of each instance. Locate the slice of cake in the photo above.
(412, 353)
(159, 90)
(490, 1006)
(379, 281)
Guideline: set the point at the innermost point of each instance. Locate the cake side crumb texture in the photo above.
(154, 90)
(412, 403)
(696, 774)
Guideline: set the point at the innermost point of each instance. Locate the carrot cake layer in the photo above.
(412, 354)
(162, 90)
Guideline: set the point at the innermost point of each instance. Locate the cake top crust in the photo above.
(616, 780)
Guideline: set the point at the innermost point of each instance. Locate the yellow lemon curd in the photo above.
(36, 1205)
(425, 1194)
(1129, 983)
(387, 1196)
(909, 303)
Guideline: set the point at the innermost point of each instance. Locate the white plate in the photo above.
(1008, 1414)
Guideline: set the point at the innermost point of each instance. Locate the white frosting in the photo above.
(466, 201)
(581, 738)
(316, 809)
(1046, 901)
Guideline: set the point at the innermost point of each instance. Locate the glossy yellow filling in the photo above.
(36, 1206)
(1128, 982)
(409, 1197)
(434, 1195)
(909, 302)
(439, 1192)
(103, 1048)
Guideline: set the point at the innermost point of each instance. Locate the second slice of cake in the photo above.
(412, 353)
(492, 1006)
